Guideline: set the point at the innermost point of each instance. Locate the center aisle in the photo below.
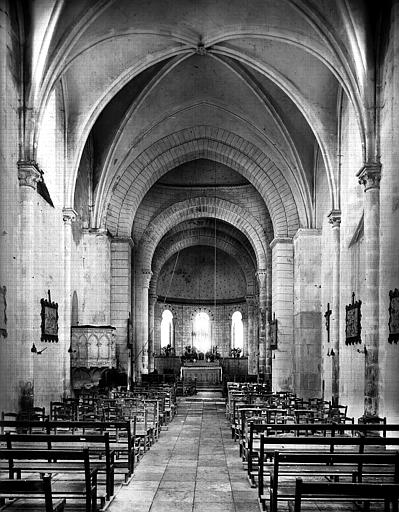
(194, 467)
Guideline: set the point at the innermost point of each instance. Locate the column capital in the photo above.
(370, 175)
(334, 218)
(261, 274)
(69, 215)
(302, 232)
(251, 300)
(145, 275)
(100, 232)
(280, 240)
(29, 173)
(123, 240)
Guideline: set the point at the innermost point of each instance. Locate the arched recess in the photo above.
(224, 243)
(198, 208)
(213, 144)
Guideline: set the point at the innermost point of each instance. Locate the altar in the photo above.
(203, 372)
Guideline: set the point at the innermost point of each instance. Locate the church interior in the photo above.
(198, 227)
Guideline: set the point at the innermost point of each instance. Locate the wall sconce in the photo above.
(330, 352)
(35, 351)
(363, 351)
(70, 351)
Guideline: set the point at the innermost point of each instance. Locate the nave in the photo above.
(195, 466)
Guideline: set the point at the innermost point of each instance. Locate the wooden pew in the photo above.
(268, 446)
(98, 445)
(252, 441)
(343, 492)
(23, 489)
(122, 436)
(56, 461)
(288, 465)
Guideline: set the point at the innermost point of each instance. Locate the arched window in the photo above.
(167, 328)
(237, 331)
(202, 332)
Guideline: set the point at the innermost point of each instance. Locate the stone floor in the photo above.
(194, 467)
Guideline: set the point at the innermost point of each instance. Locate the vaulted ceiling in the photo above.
(203, 110)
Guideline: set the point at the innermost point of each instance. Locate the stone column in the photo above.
(96, 251)
(268, 354)
(335, 220)
(261, 275)
(121, 300)
(282, 299)
(307, 313)
(252, 339)
(143, 279)
(369, 177)
(28, 175)
(69, 215)
(151, 330)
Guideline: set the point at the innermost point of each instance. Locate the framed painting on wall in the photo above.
(49, 316)
(393, 316)
(353, 326)
(273, 332)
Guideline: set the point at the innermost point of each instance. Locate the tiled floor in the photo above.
(194, 467)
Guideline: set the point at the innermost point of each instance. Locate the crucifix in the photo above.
(327, 315)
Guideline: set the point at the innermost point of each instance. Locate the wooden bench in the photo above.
(343, 492)
(269, 445)
(122, 436)
(251, 441)
(56, 461)
(333, 466)
(98, 445)
(18, 490)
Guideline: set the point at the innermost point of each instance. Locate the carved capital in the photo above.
(334, 218)
(69, 215)
(370, 175)
(121, 240)
(29, 173)
(251, 300)
(261, 274)
(280, 240)
(145, 277)
(153, 298)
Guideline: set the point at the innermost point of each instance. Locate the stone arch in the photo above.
(213, 144)
(242, 308)
(189, 239)
(202, 309)
(202, 207)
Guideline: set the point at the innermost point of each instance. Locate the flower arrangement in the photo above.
(190, 354)
(167, 350)
(212, 355)
(235, 352)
